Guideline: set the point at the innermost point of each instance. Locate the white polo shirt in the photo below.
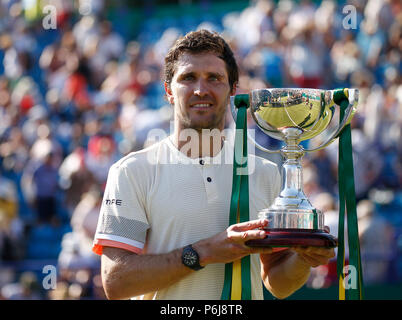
(157, 200)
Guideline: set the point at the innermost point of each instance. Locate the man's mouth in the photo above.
(202, 105)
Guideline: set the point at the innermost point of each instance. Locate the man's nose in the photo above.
(201, 88)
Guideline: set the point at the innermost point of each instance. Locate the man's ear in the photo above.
(233, 91)
(168, 91)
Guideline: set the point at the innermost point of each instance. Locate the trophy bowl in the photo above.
(306, 112)
(293, 115)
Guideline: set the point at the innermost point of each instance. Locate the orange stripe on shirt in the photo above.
(100, 243)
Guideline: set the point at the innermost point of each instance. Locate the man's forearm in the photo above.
(126, 275)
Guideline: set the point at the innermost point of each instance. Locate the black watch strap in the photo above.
(190, 258)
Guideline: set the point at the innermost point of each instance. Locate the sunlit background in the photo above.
(77, 95)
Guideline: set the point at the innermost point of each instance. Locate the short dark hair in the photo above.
(201, 41)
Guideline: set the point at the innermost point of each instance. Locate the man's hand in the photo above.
(229, 245)
(311, 256)
(315, 256)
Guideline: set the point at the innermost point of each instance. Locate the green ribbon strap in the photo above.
(347, 200)
(239, 204)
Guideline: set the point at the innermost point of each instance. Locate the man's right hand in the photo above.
(229, 245)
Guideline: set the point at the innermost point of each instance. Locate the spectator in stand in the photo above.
(376, 235)
(326, 276)
(45, 179)
(305, 57)
(100, 156)
(109, 46)
(326, 171)
(77, 245)
(346, 57)
(75, 178)
(311, 185)
(10, 224)
(76, 88)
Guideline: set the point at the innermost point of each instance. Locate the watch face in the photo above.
(190, 258)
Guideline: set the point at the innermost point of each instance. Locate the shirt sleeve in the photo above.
(122, 220)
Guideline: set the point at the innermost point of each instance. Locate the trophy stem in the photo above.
(292, 178)
(292, 195)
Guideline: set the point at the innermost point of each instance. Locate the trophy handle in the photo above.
(234, 115)
(353, 95)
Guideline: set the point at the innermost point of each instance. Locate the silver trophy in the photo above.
(294, 115)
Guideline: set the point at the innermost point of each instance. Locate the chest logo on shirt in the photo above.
(117, 202)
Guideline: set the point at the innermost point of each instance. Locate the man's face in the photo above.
(200, 91)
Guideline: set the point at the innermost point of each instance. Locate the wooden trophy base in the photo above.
(295, 237)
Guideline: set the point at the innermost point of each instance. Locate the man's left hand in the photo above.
(315, 256)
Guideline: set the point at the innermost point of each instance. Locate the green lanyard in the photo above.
(239, 204)
(347, 198)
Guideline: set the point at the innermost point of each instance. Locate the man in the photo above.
(176, 193)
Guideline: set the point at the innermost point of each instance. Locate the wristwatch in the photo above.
(190, 258)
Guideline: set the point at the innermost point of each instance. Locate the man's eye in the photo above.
(213, 78)
(188, 78)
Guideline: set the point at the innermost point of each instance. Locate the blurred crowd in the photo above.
(76, 98)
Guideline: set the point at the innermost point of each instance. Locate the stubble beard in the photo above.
(214, 121)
